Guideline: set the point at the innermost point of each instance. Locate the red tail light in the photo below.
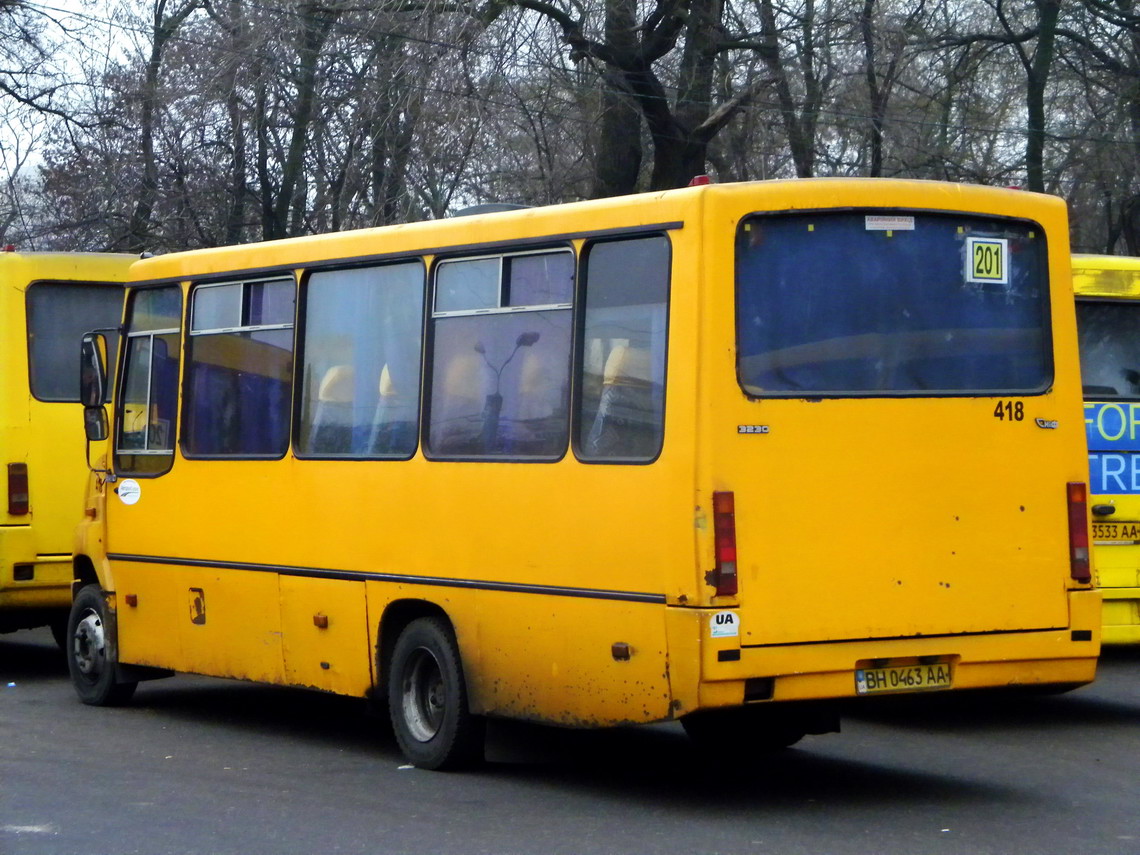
(724, 530)
(17, 489)
(1079, 567)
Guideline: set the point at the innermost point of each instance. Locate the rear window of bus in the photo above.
(59, 314)
(901, 303)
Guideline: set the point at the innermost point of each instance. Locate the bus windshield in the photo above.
(849, 303)
(1110, 348)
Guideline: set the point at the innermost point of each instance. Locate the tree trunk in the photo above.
(800, 130)
(617, 158)
(138, 229)
(316, 22)
(1037, 78)
(235, 217)
(875, 94)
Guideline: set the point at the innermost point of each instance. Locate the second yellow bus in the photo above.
(1108, 324)
(47, 301)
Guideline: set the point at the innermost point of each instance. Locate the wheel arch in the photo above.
(83, 574)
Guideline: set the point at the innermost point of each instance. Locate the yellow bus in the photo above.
(1108, 311)
(47, 302)
(728, 454)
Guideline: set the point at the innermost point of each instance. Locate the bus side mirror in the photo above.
(93, 370)
(95, 423)
(93, 385)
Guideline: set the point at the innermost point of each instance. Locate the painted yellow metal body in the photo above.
(46, 436)
(868, 529)
(1111, 425)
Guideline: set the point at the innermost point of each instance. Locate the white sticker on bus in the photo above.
(724, 625)
(886, 223)
(128, 491)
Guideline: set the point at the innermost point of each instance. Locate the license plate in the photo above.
(1115, 531)
(902, 678)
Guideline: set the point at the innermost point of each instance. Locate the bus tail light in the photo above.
(1079, 567)
(17, 489)
(724, 531)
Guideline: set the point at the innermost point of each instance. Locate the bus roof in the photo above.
(1106, 276)
(95, 267)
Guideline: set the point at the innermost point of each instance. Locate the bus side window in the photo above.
(622, 370)
(239, 369)
(149, 391)
(501, 356)
(361, 361)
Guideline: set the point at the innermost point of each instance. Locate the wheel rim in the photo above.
(424, 695)
(89, 646)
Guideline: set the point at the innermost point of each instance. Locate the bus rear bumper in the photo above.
(1121, 616)
(28, 580)
(1061, 658)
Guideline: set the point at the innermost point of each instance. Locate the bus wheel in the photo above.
(747, 730)
(427, 697)
(92, 651)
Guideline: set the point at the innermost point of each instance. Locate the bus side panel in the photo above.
(684, 626)
(572, 661)
(150, 631)
(220, 622)
(324, 624)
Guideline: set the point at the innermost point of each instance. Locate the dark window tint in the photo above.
(1109, 334)
(501, 356)
(622, 372)
(58, 316)
(239, 370)
(361, 391)
(148, 397)
(891, 303)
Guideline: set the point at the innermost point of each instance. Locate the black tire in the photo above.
(427, 699)
(93, 651)
(743, 730)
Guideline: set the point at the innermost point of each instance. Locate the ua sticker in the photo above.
(724, 625)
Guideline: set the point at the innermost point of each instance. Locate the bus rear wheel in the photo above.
(92, 651)
(427, 699)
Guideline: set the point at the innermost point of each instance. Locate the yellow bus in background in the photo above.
(1108, 325)
(727, 454)
(47, 302)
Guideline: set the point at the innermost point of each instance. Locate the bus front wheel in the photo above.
(92, 651)
(427, 698)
